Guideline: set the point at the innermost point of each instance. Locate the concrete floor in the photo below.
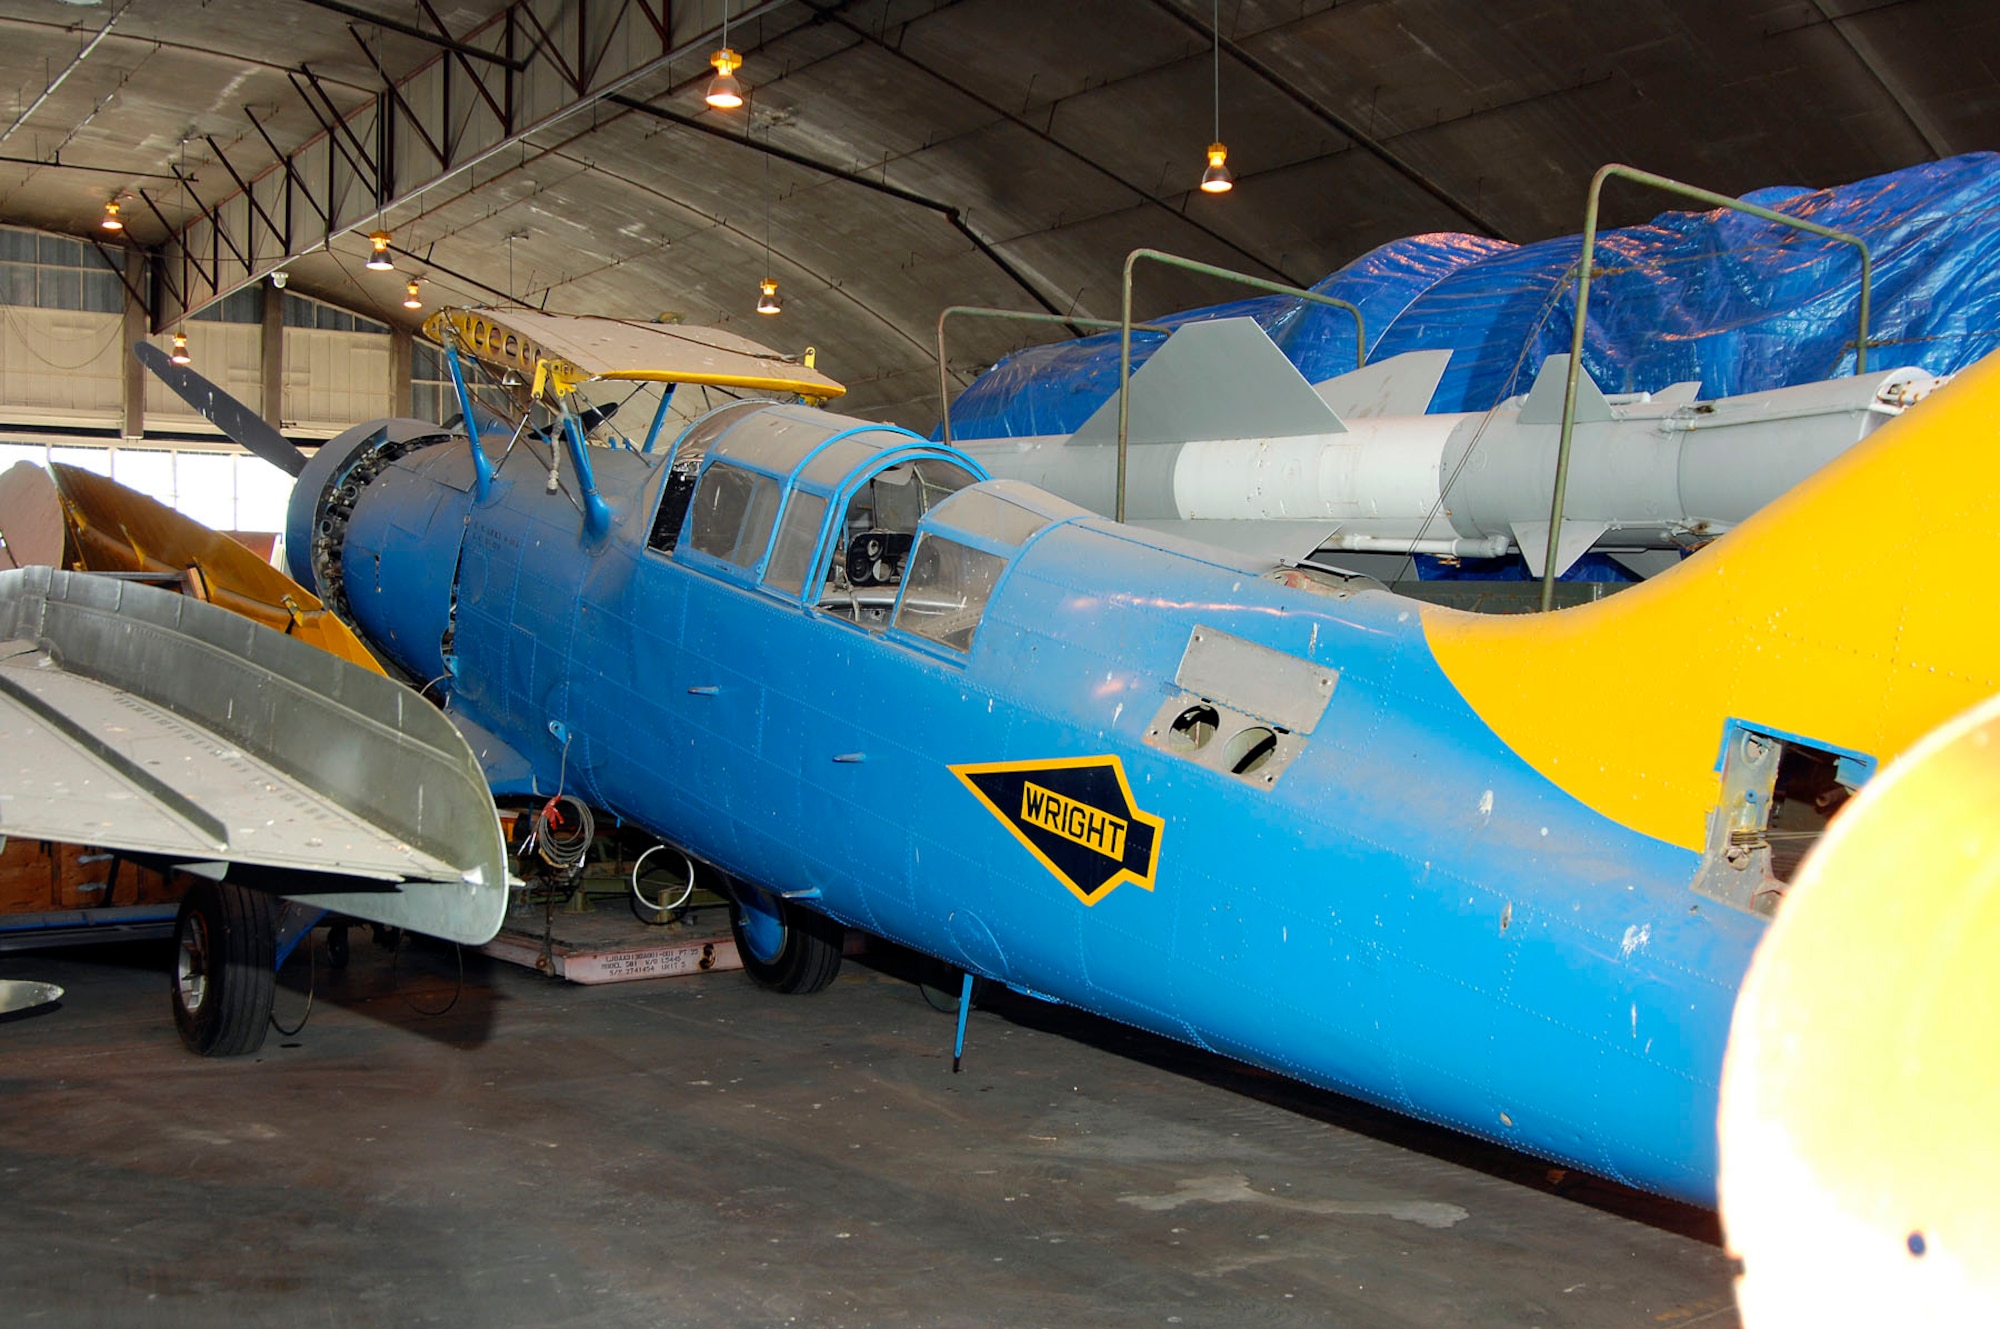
(692, 1151)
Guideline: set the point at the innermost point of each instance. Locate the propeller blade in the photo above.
(223, 411)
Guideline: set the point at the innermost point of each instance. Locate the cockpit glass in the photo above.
(694, 441)
(839, 460)
(733, 512)
(778, 438)
(983, 512)
(798, 536)
(946, 591)
(876, 531)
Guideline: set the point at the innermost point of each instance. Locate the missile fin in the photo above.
(1577, 538)
(1217, 379)
(1544, 405)
(1680, 394)
(1401, 385)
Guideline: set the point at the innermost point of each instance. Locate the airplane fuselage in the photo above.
(1390, 903)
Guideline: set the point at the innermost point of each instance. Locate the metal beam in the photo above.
(440, 38)
(540, 62)
(829, 11)
(946, 210)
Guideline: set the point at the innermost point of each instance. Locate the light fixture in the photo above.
(380, 261)
(724, 92)
(111, 221)
(1217, 179)
(279, 278)
(180, 355)
(767, 289)
(411, 300)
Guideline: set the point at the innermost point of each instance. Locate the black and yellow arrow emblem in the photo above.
(1076, 816)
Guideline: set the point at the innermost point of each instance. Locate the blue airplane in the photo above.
(1500, 875)
(1271, 813)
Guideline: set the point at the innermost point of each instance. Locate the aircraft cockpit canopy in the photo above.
(963, 548)
(862, 522)
(770, 476)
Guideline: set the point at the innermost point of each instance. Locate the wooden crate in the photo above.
(37, 876)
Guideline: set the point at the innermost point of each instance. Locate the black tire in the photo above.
(225, 972)
(806, 958)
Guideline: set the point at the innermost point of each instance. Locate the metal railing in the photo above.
(1126, 325)
(1017, 315)
(1597, 181)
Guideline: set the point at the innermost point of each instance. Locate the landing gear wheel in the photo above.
(784, 947)
(225, 948)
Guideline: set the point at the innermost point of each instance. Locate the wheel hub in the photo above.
(191, 965)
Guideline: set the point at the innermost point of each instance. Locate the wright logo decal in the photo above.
(1074, 814)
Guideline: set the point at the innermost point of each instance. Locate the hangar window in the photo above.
(733, 512)
(947, 590)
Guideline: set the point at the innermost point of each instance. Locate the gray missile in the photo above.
(1228, 443)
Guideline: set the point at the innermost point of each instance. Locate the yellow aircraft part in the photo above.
(115, 529)
(815, 388)
(1860, 1158)
(499, 338)
(494, 342)
(1850, 612)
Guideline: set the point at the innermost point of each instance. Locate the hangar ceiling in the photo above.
(898, 156)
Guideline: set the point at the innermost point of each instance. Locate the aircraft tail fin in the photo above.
(1220, 378)
(1788, 625)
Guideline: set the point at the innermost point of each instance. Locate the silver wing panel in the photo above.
(138, 719)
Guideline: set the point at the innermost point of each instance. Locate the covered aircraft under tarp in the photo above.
(1715, 297)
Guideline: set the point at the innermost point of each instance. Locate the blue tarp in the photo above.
(1738, 303)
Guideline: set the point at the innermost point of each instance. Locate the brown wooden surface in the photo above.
(36, 876)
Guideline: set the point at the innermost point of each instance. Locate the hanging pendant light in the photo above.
(767, 297)
(180, 354)
(724, 92)
(1217, 179)
(111, 220)
(379, 260)
(411, 300)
